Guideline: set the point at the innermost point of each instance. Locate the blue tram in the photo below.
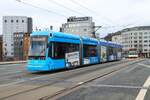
(55, 50)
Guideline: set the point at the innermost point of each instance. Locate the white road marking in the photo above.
(142, 92)
(117, 86)
(148, 66)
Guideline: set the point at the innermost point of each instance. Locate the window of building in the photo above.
(145, 41)
(140, 37)
(5, 53)
(135, 33)
(145, 32)
(11, 44)
(145, 37)
(5, 44)
(17, 21)
(12, 21)
(85, 29)
(140, 45)
(22, 21)
(135, 45)
(135, 41)
(145, 49)
(140, 33)
(5, 21)
(12, 53)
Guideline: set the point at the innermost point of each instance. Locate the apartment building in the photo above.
(11, 26)
(83, 26)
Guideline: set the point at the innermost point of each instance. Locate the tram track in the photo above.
(23, 74)
(67, 90)
(71, 74)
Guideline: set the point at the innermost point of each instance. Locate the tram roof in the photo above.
(56, 34)
(86, 40)
(90, 41)
(109, 43)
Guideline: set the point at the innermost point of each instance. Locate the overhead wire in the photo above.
(92, 11)
(44, 9)
(72, 10)
(61, 5)
(56, 13)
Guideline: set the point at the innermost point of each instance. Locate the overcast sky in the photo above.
(107, 13)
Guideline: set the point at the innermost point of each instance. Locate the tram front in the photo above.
(37, 53)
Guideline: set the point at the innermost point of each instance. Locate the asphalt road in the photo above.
(18, 84)
(10, 73)
(126, 84)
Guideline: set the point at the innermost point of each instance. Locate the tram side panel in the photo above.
(90, 55)
(103, 54)
(119, 53)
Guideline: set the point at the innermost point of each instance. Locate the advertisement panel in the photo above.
(72, 59)
(111, 57)
(103, 54)
(86, 61)
(119, 55)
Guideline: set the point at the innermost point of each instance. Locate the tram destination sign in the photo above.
(38, 38)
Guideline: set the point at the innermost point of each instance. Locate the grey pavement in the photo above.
(123, 85)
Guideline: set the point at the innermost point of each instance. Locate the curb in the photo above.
(12, 62)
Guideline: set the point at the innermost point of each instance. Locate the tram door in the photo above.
(93, 55)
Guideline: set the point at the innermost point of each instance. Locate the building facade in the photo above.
(11, 26)
(1, 48)
(21, 45)
(135, 38)
(26, 42)
(117, 39)
(83, 26)
(18, 46)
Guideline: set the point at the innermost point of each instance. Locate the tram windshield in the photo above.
(37, 46)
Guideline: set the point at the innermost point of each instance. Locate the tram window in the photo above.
(89, 51)
(60, 49)
(50, 50)
(110, 50)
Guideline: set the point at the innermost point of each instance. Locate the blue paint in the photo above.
(53, 64)
(37, 65)
(94, 60)
(89, 41)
